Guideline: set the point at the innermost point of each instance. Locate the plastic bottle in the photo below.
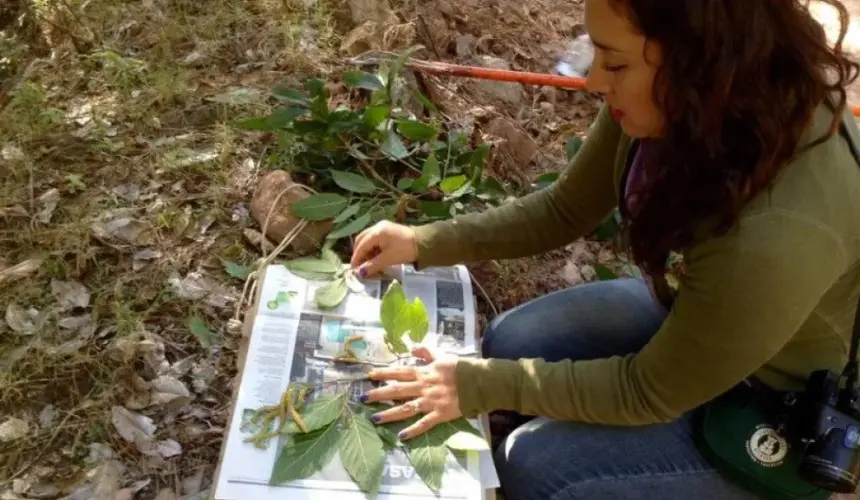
(577, 59)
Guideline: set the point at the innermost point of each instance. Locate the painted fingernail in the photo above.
(362, 272)
(363, 398)
(375, 419)
(401, 435)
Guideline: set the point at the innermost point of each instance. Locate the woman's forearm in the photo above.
(574, 205)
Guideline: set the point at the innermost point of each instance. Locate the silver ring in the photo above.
(414, 406)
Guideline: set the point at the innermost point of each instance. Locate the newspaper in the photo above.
(292, 340)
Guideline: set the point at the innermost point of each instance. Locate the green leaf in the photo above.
(347, 213)
(435, 209)
(305, 454)
(393, 146)
(320, 412)
(572, 146)
(319, 206)
(362, 80)
(604, 273)
(399, 64)
(415, 130)
(428, 453)
(199, 329)
(362, 452)
(351, 228)
(430, 170)
(545, 180)
(330, 256)
(290, 95)
(464, 436)
(405, 183)
(331, 294)
(452, 184)
(352, 182)
(312, 265)
(375, 115)
(236, 270)
(399, 316)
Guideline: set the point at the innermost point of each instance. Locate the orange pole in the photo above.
(506, 75)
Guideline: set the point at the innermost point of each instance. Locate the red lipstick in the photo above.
(617, 114)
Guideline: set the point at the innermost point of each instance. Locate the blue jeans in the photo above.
(558, 460)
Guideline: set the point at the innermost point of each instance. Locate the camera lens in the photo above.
(831, 462)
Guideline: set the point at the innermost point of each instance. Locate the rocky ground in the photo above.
(126, 223)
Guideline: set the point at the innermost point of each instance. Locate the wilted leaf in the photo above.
(362, 80)
(415, 130)
(319, 206)
(320, 412)
(353, 227)
(236, 270)
(70, 294)
(12, 429)
(121, 228)
(168, 448)
(331, 294)
(451, 184)
(399, 316)
(20, 269)
(362, 452)
(20, 320)
(352, 182)
(75, 322)
(166, 389)
(198, 328)
(305, 454)
(393, 146)
(196, 286)
(143, 257)
(134, 428)
(48, 201)
(238, 96)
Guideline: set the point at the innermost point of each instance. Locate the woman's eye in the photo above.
(615, 69)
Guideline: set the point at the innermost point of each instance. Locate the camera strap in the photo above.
(850, 371)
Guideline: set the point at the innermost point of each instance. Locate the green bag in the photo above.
(740, 434)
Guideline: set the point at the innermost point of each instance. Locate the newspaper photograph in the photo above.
(294, 341)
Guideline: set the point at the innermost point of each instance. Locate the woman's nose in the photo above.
(597, 81)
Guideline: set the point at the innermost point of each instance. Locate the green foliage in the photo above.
(327, 267)
(331, 424)
(400, 317)
(198, 328)
(373, 159)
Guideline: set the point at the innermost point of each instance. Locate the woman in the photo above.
(723, 138)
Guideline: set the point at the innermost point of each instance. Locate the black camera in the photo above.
(827, 421)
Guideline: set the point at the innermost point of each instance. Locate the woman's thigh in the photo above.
(553, 460)
(593, 320)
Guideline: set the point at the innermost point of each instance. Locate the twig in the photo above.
(484, 293)
(428, 35)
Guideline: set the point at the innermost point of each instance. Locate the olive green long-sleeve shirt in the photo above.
(775, 297)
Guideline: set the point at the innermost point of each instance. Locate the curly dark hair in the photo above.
(738, 85)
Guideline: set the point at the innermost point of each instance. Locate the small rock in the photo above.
(517, 143)
(507, 91)
(281, 221)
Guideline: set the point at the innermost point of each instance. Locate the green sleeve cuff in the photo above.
(439, 244)
(484, 385)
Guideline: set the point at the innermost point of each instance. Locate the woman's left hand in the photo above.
(431, 389)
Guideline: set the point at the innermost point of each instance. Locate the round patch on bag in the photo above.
(766, 447)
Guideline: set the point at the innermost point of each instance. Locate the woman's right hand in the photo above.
(382, 245)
